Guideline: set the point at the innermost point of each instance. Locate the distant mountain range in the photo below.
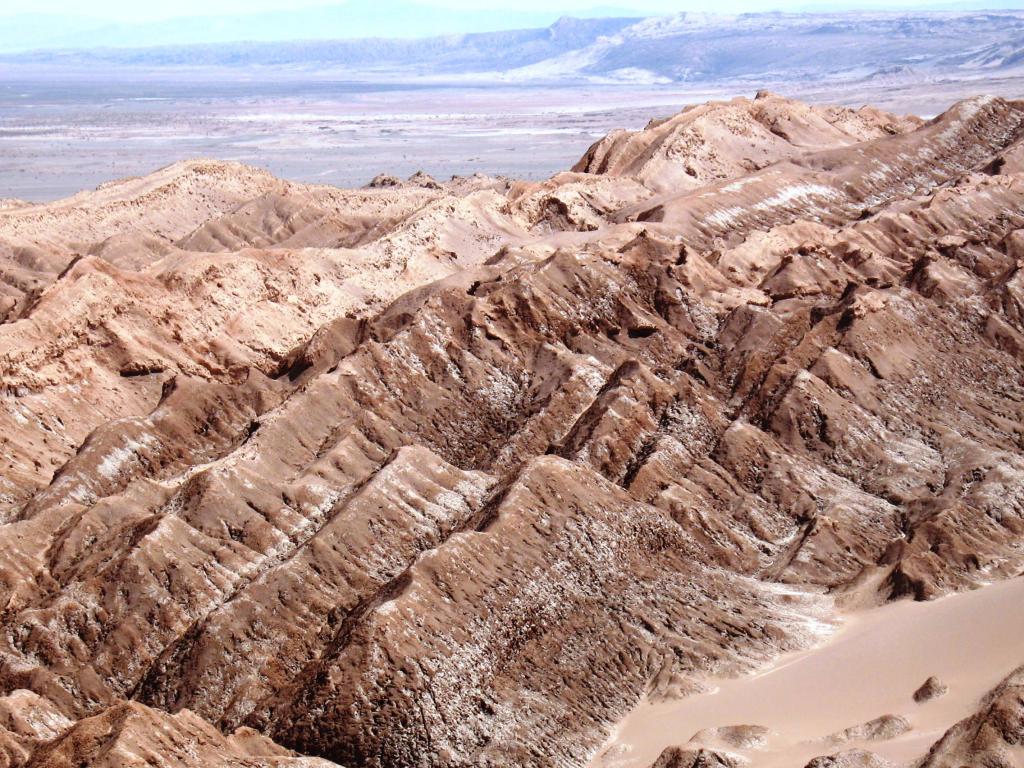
(349, 20)
(685, 47)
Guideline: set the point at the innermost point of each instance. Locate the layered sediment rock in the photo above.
(457, 474)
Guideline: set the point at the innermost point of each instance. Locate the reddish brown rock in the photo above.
(131, 735)
(880, 729)
(677, 757)
(991, 736)
(460, 473)
(932, 688)
(852, 758)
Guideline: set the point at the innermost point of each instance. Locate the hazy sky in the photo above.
(134, 10)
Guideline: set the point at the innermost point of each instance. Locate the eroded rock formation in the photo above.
(457, 474)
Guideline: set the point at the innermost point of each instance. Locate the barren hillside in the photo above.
(490, 472)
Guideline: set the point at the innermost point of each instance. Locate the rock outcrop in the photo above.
(932, 688)
(852, 758)
(994, 735)
(879, 729)
(677, 757)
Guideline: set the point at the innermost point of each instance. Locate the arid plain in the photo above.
(60, 135)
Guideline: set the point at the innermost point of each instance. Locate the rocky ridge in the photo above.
(458, 473)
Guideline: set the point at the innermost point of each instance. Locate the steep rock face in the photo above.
(457, 474)
(560, 606)
(277, 624)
